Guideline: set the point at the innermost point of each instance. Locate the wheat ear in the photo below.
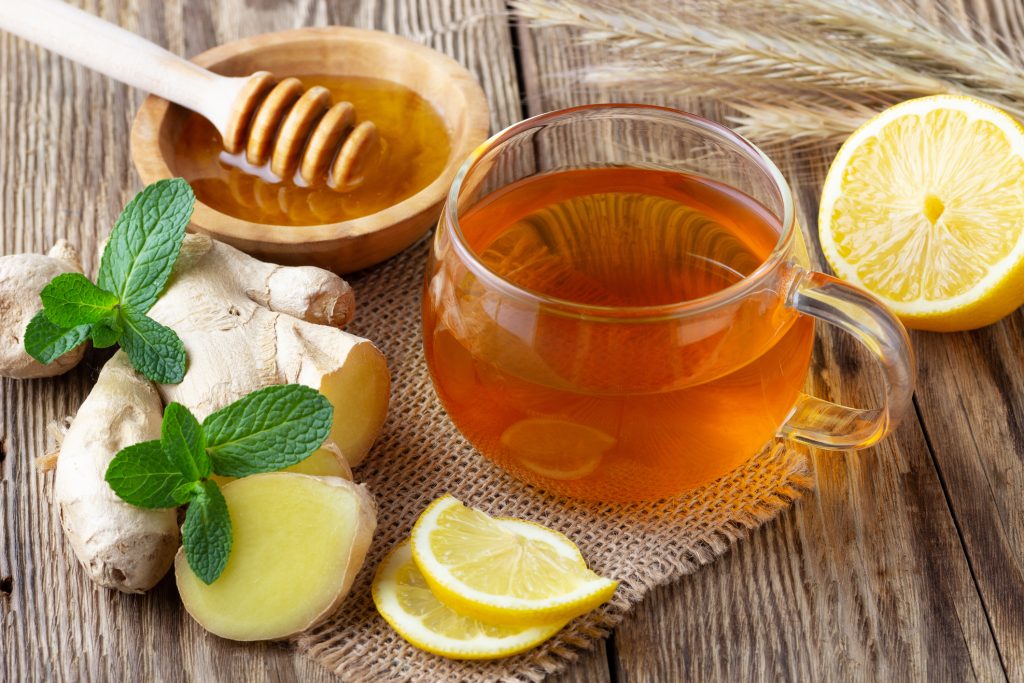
(680, 35)
(908, 37)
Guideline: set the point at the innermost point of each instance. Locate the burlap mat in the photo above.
(421, 455)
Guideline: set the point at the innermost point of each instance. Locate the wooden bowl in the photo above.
(348, 245)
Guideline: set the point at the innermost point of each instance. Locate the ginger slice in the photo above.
(359, 392)
(298, 543)
(326, 461)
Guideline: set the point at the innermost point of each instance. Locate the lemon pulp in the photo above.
(505, 571)
(404, 599)
(924, 207)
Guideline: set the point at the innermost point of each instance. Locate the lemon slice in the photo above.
(503, 571)
(924, 207)
(404, 600)
(557, 449)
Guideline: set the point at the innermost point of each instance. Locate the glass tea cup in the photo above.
(619, 306)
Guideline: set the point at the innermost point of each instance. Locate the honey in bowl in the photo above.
(414, 150)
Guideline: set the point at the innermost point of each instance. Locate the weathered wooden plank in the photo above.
(591, 667)
(866, 579)
(973, 391)
(65, 172)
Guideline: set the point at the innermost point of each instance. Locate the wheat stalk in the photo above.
(905, 36)
(797, 125)
(684, 35)
(803, 70)
(778, 116)
(708, 82)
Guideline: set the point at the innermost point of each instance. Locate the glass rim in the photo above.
(684, 308)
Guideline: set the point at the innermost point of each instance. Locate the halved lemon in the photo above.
(924, 207)
(404, 600)
(557, 449)
(501, 570)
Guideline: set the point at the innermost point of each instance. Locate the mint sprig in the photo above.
(134, 270)
(264, 431)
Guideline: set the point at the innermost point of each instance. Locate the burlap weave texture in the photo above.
(421, 456)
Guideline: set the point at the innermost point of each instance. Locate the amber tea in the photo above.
(618, 306)
(593, 402)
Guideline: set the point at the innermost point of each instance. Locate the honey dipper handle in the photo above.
(122, 55)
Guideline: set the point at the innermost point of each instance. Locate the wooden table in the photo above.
(906, 564)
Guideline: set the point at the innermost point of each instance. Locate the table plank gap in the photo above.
(960, 533)
(523, 67)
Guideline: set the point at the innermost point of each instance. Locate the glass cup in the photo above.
(637, 399)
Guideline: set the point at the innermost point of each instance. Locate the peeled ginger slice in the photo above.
(298, 543)
(326, 461)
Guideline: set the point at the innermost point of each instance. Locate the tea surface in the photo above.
(617, 409)
(415, 149)
(621, 237)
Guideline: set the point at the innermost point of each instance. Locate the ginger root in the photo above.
(120, 546)
(22, 277)
(247, 324)
(298, 542)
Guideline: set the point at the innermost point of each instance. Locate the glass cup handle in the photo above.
(826, 424)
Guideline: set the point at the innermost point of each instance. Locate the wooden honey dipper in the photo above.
(299, 132)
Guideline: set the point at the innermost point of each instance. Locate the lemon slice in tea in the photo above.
(557, 449)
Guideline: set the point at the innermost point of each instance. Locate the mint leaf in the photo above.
(144, 476)
(70, 299)
(145, 242)
(47, 342)
(206, 533)
(106, 332)
(267, 430)
(153, 349)
(182, 440)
